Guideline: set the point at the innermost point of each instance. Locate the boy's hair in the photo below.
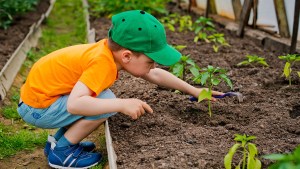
(116, 47)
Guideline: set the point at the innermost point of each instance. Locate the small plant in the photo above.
(249, 152)
(184, 22)
(219, 40)
(204, 24)
(170, 21)
(210, 77)
(252, 60)
(285, 161)
(178, 69)
(201, 28)
(290, 61)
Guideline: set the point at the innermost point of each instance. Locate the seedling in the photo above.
(170, 21)
(219, 40)
(253, 60)
(290, 61)
(201, 27)
(203, 24)
(285, 161)
(249, 152)
(178, 69)
(210, 77)
(185, 22)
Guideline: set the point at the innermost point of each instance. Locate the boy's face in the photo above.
(138, 65)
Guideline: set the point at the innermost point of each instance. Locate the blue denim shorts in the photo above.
(56, 115)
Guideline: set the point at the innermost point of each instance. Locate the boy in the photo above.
(69, 88)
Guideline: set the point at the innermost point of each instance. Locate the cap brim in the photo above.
(166, 56)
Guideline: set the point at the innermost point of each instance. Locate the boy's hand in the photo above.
(135, 108)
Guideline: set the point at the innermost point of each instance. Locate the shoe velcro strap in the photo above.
(71, 150)
(78, 151)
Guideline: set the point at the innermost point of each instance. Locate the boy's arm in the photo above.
(164, 78)
(80, 102)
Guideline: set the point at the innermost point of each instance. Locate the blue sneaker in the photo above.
(87, 145)
(72, 157)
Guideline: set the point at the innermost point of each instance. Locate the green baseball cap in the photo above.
(141, 32)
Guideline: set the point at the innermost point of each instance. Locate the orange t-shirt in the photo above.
(56, 73)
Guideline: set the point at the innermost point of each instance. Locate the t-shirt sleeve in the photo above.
(98, 75)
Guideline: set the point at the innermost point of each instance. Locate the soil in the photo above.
(12, 37)
(180, 133)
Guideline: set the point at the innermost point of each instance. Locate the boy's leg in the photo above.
(67, 145)
(60, 132)
(75, 133)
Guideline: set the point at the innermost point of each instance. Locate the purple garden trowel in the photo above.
(237, 94)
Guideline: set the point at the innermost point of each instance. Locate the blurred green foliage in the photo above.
(108, 8)
(11, 8)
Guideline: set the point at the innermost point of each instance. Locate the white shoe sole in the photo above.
(60, 167)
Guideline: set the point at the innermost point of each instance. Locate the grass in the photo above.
(64, 27)
(12, 141)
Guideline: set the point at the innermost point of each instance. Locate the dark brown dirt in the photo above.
(11, 38)
(180, 133)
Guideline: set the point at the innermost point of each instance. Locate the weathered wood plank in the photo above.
(237, 9)
(255, 5)
(295, 26)
(210, 8)
(282, 18)
(244, 17)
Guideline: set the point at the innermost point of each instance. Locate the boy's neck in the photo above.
(117, 60)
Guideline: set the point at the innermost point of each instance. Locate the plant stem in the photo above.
(244, 157)
(209, 102)
(290, 77)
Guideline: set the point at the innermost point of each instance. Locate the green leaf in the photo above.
(263, 63)
(204, 77)
(298, 74)
(228, 157)
(215, 81)
(227, 80)
(195, 71)
(178, 70)
(190, 62)
(252, 150)
(216, 48)
(257, 164)
(277, 157)
(243, 63)
(180, 47)
(286, 69)
(204, 94)
(250, 138)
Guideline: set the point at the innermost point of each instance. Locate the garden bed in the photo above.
(11, 38)
(180, 133)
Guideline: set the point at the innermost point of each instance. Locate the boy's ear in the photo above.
(126, 56)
